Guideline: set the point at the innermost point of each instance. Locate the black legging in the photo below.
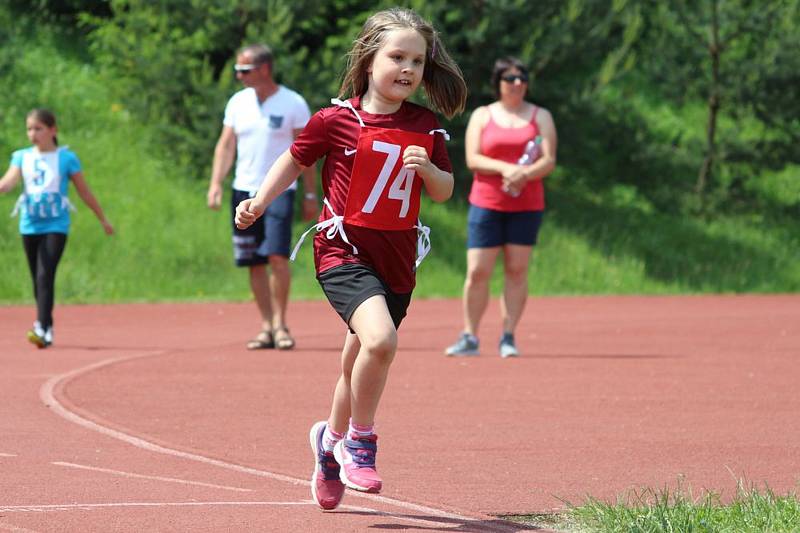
(44, 251)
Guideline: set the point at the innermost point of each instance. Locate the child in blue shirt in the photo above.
(46, 169)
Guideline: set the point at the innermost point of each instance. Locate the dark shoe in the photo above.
(263, 341)
(508, 347)
(283, 339)
(466, 345)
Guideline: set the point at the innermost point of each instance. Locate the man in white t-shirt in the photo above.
(260, 123)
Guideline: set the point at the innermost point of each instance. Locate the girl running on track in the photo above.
(46, 169)
(380, 150)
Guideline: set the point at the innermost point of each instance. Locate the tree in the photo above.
(712, 38)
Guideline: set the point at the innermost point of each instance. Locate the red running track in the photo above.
(154, 417)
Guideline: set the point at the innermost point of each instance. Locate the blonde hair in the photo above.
(442, 79)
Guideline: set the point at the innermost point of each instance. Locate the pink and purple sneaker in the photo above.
(356, 455)
(326, 487)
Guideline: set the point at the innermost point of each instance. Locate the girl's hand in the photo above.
(416, 158)
(246, 214)
(107, 227)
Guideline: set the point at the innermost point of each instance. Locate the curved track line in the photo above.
(47, 394)
(153, 478)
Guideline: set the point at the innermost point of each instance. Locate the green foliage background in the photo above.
(139, 87)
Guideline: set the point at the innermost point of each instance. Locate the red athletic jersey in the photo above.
(506, 144)
(334, 132)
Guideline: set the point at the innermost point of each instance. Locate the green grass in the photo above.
(664, 511)
(612, 239)
(168, 246)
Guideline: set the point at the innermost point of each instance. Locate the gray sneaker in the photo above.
(507, 346)
(466, 345)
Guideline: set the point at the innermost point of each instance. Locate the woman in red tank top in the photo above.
(510, 147)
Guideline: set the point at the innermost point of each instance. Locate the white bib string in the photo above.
(346, 104)
(423, 242)
(334, 225)
(442, 131)
(65, 204)
(18, 205)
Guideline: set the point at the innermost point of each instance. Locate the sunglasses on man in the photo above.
(244, 69)
(511, 78)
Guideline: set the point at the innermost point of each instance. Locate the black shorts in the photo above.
(487, 228)
(348, 286)
(270, 235)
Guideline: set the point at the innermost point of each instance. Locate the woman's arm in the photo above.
(88, 198)
(10, 179)
(546, 162)
(282, 173)
(476, 161)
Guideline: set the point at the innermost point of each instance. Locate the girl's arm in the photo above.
(282, 173)
(438, 183)
(10, 179)
(310, 206)
(88, 198)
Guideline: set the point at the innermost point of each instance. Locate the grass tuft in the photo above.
(648, 510)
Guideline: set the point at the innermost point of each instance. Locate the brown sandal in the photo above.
(263, 341)
(283, 339)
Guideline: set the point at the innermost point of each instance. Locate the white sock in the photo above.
(361, 431)
(330, 438)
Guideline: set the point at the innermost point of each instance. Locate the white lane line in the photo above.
(15, 529)
(429, 523)
(156, 478)
(8, 455)
(44, 508)
(47, 395)
(113, 505)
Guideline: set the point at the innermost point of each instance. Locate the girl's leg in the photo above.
(480, 263)
(377, 343)
(377, 337)
(515, 290)
(31, 244)
(340, 410)
(327, 488)
(47, 263)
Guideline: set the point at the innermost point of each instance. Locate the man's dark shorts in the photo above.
(271, 234)
(348, 286)
(487, 228)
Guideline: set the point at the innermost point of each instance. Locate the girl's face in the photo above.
(397, 68)
(39, 134)
(513, 84)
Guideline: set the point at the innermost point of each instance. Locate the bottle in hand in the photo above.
(529, 155)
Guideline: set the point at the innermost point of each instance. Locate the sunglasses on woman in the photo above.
(511, 78)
